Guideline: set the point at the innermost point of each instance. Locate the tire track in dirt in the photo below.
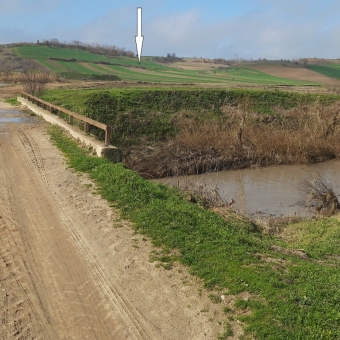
(109, 289)
(34, 153)
(61, 268)
(82, 302)
(21, 316)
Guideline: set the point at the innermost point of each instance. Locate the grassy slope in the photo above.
(148, 99)
(329, 70)
(150, 113)
(291, 297)
(152, 72)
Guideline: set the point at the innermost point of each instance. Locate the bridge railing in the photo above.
(87, 121)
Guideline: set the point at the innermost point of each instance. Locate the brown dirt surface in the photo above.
(70, 268)
(56, 64)
(87, 65)
(195, 64)
(295, 73)
(142, 70)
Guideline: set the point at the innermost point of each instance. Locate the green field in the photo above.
(44, 52)
(129, 69)
(329, 70)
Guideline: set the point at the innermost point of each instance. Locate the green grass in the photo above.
(86, 76)
(13, 101)
(151, 113)
(146, 99)
(329, 70)
(290, 298)
(320, 241)
(156, 73)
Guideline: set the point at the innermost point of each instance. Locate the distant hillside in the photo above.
(322, 72)
(297, 73)
(74, 62)
(328, 70)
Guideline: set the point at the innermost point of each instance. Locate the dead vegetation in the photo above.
(207, 197)
(319, 194)
(12, 66)
(241, 139)
(35, 81)
(29, 73)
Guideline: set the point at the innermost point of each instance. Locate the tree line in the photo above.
(104, 49)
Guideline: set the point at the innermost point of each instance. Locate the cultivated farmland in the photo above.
(63, 61)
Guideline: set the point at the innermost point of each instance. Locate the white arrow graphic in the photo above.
(139, 37)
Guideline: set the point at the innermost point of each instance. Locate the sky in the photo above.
(271, 29)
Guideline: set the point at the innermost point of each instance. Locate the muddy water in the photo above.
(16, 116)
(272, 191)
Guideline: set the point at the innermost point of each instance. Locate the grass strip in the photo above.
(291, 298)
(13, 101)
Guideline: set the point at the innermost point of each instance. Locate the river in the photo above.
(271, 191)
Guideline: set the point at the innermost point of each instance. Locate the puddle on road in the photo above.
(16, 116)
(263, 192)
(16, 120)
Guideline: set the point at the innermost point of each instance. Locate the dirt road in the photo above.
(70, 268)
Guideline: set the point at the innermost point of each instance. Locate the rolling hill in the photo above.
(68, 62)
(78, 64)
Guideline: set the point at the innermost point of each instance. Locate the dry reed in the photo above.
(242, 139)
(319, 194)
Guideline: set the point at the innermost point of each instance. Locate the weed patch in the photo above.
(13, 101)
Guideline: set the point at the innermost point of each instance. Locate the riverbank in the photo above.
(283, 287)
(183, 131)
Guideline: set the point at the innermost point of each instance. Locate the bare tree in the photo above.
(35, 81)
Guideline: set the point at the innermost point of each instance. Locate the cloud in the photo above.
(9, 35)
(183, 33)
(117, 27)
(16, 7)
(272, 29)
(274, 32)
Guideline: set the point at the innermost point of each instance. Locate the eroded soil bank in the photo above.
(240, 139)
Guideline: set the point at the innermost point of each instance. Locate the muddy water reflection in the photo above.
(15, 116)
(269, 191)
